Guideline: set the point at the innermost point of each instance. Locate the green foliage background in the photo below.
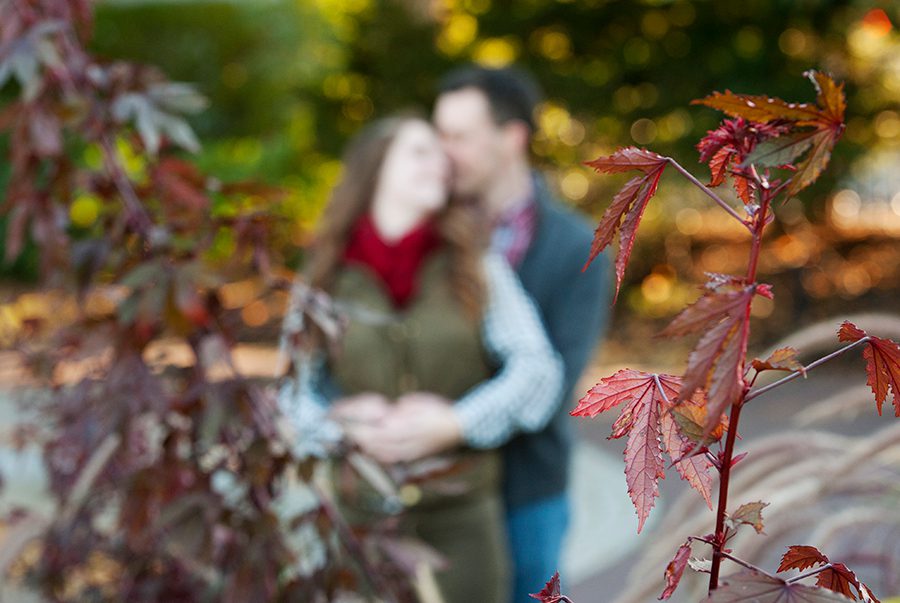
(289, 80)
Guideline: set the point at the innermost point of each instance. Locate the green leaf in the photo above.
(749, 514)
(780, 151)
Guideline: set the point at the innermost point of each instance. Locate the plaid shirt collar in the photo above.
(514, 230)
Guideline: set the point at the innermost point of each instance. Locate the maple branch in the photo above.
(805, 369)
(818, 570)
(724, 474)
(709, 192)
(746, 564)
(354, 546)
(137, 213)
(756, 229)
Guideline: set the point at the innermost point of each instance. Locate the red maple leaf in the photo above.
(836, 577)
(550, 593)
(824, 120)
(625, 211)
(882, 364)
(647, 421)
(675, 569)
(801, 557)
(694, 469)
(715, 365)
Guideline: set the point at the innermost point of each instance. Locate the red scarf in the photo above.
(397, 263)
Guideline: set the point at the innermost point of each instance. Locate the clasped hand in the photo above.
(416, 426)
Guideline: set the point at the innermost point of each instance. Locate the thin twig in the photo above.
(710, 193)
(355, 547)
(89, 473)
(818, 570)
(805, 369)
(730, 557)
(123, 185)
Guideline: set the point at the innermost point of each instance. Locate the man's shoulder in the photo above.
(562, 243)
(561, 226)
(566, 220)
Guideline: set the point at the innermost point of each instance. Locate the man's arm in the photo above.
(522, 396)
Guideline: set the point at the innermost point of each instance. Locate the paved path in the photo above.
(602, 543)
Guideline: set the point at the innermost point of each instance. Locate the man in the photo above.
(486, 120)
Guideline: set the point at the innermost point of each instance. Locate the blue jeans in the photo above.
(535, 532)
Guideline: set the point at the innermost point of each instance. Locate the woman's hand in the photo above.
(419, 425)
(367, 408)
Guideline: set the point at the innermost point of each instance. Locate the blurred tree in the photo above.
(171, 475)
(289, 80)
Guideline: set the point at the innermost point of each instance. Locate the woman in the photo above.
(432, 318)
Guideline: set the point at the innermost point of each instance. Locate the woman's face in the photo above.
(415, 173)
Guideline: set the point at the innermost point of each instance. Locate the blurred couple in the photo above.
(470, 322)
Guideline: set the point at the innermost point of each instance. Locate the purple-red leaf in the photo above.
(754, 587)
(624, 213)
(550, 593)
(715, 365)
(675, 569)
(882, 364)
(647, 421)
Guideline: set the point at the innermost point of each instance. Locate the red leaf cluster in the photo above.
(624, 213)
(799, 128)
(835, 576)
(882, 364)
(651, 428)
(726, 148)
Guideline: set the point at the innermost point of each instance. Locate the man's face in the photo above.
(476, 145)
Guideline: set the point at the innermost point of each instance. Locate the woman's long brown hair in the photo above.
(457, 223)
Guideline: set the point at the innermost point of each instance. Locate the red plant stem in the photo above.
(759, 224)
(724, 475)
(806, 369)
(709, 193)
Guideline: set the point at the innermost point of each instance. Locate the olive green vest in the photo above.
(429, 346)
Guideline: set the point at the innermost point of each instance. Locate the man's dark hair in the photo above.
(513, 94)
